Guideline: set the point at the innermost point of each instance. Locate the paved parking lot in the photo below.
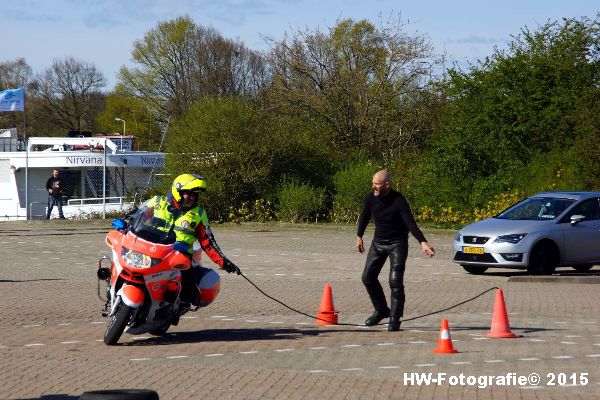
(246, 346)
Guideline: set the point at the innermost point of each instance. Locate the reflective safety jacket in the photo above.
(188, 226)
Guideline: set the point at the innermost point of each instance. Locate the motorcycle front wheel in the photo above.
(117, 324)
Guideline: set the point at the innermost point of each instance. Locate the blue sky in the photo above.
(102, 32)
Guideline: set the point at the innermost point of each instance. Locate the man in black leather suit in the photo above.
(393, 220)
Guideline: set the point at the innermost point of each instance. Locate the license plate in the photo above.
(473, 250)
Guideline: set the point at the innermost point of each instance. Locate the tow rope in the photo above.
(401, 320)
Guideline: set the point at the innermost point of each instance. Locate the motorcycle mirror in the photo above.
(119, 223)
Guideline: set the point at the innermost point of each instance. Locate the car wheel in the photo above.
(543, 260)
(582, 267)
(474, 269)
(120, 394)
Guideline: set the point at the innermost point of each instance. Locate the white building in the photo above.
(100, 176)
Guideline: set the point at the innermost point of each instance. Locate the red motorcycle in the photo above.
(144, 280)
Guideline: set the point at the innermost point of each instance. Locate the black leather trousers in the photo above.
(397, 251)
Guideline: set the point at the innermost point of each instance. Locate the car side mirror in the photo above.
(575, 219)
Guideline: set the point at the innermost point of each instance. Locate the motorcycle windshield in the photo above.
(151, 228)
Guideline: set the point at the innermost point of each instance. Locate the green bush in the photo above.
(300, 202)
(351, 185)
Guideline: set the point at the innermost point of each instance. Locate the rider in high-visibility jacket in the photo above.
(190, 223)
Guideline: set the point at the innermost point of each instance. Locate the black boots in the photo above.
(397, 309)
(394, 325)
(377, 316)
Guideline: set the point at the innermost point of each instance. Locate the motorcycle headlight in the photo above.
(136, 259)
(514, 238)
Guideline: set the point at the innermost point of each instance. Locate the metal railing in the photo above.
(96, 200)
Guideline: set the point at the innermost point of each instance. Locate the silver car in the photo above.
(547, 230)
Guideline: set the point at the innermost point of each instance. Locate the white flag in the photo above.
(12, 100)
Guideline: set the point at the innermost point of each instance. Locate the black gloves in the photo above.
(231, 267)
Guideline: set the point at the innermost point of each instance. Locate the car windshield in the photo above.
(146, 226)
(536, 208)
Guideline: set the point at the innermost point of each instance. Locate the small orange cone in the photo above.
(445, 341)
(500, 325)
(327, 314)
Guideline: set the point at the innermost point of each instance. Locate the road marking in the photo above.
(390, 367)
(282, 350)
(251, 321)
(351, 369)
(536, 340)
(31, 326)
(316, 370)
(275, 322)
(175, 357)
(460, 363)
(425, 365)
(385, 344)
(572, 336)
(352, 345)
(280, 274)
(560, 322)
(140, 359)
(228, 319)
(219, 316)
(65, 324)
(481, 338)
(318, 348)
(529, 359)
(214, 355)
(494, 361)
(249, 352)
(569, 342)
(33, 344)
(71, 342)
(303, 323)
(592, 355)
(98, 322)
(417, 342)
(562, 357)
(190, 317)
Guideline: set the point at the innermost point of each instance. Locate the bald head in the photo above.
(382, 183)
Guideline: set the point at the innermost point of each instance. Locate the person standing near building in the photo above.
(393, 220)
(55, 187)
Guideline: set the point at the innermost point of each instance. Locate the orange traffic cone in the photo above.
(327, 314)
(445, 341)
(500, 325)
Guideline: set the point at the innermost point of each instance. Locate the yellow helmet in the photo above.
(191, 182)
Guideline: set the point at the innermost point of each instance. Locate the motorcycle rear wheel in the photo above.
(117, 324)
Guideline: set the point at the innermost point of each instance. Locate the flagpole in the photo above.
(27, 216)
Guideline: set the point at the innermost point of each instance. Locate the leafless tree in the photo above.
(70, 93)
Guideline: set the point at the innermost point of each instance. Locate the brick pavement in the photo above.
(247, 346)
